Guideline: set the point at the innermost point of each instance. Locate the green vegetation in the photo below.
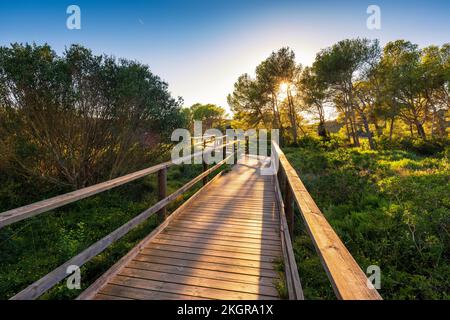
(390, 208)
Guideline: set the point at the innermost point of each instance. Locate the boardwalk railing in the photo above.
(39, 287)
(345, 275)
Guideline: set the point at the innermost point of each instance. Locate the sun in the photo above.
(283, 87)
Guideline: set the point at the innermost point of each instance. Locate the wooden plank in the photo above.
(125, 292)
(198, 281)
(207, 258)
(224, 227)
(224, 242)
(217, 247)
(197, 272)
(268, 199)
(108, 297)
(346, 276)
(230, 217)
(194, 291)
(235, 214)
(206, 265)
(241, 238)
(213, 252)
(225, 233)
(187, 216)
(236, 211)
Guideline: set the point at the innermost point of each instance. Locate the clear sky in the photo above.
(201, 47)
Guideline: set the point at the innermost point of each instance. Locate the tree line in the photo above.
(373, 89)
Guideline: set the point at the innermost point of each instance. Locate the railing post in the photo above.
(224, 148)
(257, 143)
(205, 165)
(288, 207)
(247, 148)
(235, 150)
(162, 190)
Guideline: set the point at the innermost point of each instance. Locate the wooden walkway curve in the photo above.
(223, 245)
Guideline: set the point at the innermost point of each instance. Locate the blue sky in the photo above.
(201, 47)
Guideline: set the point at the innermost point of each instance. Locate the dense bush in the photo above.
(77, 119)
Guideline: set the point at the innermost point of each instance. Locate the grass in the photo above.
(391, 209)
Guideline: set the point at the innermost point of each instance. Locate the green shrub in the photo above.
(391, 208)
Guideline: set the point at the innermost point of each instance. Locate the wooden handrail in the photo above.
(348, 280)
(18, 214)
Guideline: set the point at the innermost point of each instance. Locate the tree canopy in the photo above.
(78, 118)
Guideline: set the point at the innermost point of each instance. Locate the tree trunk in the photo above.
(420, 130)
(322, 130)
(369, 133)
(391, 129)
(293, 118)
(346, 127)
(354, 133)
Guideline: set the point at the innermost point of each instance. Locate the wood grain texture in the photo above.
(221, 246)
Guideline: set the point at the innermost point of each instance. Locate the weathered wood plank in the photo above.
(228, 221)
(202, 245)
(124, 292)
(225, 233)
(225, 242)
(203, 273)
(206, 265)
(207, 258)
(199, 281)
(183, 289)
(240, 238)
(214, 253)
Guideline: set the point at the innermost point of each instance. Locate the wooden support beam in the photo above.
(224, 148)
(247, 148)
(162, 190)
(288, 208)
(204, 164)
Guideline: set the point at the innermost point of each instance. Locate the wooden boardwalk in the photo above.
(223, 245)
